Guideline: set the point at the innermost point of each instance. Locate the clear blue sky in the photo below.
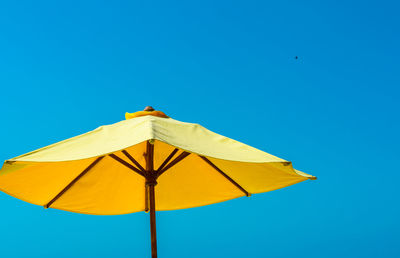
(66, 68)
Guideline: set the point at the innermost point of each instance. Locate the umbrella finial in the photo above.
(149, 108)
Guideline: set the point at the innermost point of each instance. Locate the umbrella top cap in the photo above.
(148, 111)
(148, 108)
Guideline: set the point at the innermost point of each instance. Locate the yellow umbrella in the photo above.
(146, 162)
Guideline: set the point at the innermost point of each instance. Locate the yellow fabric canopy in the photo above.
(92, 173)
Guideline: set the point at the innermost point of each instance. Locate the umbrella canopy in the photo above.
(110, 170)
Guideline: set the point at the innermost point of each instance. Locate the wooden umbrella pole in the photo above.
(153, 223)
(151, 182)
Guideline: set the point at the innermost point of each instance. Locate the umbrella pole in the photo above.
(153, 222)
(151, 182)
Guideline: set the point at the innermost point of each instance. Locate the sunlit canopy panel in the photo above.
(110, 138)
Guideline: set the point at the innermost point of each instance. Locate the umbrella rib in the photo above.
(129, 156)
(173, 163)
(226, 176)
(73, 181)
(170, 156)
(123, 162)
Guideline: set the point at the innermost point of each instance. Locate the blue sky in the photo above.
(66, 68)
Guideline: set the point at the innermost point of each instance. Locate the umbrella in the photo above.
(147, 162)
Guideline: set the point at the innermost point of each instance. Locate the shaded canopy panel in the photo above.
(39, 182)
(110, 187)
